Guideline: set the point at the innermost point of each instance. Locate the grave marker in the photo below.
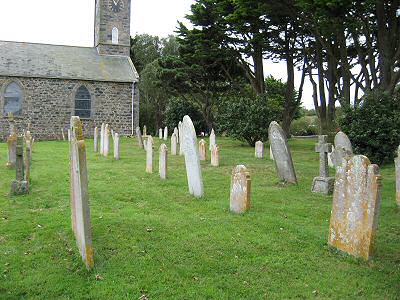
(397, 164)
(215, 156)
(240, 190)
(19, 186)
(12, 146)
(165, 133)
(203, 150)
(106, 141)
(212, 139)
(116, 146)
(174, 144)
(343, 148)
(139, 137)
(102, 138)
(95, 139)
(180, 130)
(160, 134)
(163, 161)
(144, 130)
(149, 155)
(323, 183)
(259, 150)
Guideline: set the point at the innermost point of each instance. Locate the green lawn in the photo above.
(151, 238)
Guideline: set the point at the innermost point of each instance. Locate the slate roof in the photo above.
(63, 62)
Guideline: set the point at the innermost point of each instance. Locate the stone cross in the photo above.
(12, 144)
(144, 130)
(149, 155)
(79, 193)
(203, 150)
(259, 150)
(397, 164)
(215, 156)
(355, 207)
(240, 190)
(192, 161)
(165, 133)
(160, 134)
(19, 186)
(323, 183)
(95, 139)
(163, 161)
(212, 139)
(180, 130)
(281, 152)
(139, 137)
(116, 146)
(102, 138)
(106, 141)
(174, 144)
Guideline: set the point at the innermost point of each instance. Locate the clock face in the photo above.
(116, 5)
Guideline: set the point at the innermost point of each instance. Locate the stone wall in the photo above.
(49, 104)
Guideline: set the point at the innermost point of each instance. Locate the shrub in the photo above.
(374, 126)
(305, 126)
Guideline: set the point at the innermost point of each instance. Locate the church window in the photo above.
(82, 102)
(114, 38)
(13, 97)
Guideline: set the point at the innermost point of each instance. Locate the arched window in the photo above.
(114, 35)
(83, 102)
(13, 98)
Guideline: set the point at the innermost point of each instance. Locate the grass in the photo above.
(151, 238)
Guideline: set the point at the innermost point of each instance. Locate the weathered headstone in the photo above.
(355, 207)
(203, 150)
(323, 183)
(397, 166)
(163, 161)
(215, 156)
(176, 131)
(281, 152)
(343, 148)
(116, 146)
(12, 146)
(139, 137)
(149, 155)
(79, 193)
(145, 144)
(160, 134)
(330, 162)
(165, 133)
(192, 161)
(112, 134)
(271, 155)
(106, 141)
(144, 130)
(180, 130)
(95, 139)
(259, 149)
(240, 190)
(19, 186)
(174, 144)
(69, 135)
(102, 138)
(212, 139)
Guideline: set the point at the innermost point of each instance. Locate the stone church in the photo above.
(44, 85)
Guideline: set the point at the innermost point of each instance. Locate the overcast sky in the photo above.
(70, 22)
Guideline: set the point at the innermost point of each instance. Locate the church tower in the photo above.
(112, 27)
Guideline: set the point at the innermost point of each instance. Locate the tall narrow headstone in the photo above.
(62, 134)
(330, 162)
(212, 139)
(323, 183)
(240, 190)
(116, 146)
(95, 139)
(112, 134)
(215, 156)
(19, 186)
(102, 138)
(12, 146)
(149, 155)
(259, 150)
(174, 144)
(163, 161)
(180, 130)
(145, 144)
(397, 166)
(176, 131)
(144, 130)
(281, 152)
(160, 134)
(203, 150)
(69, 135)
(355, 207)
(192, 161)
(343, 148)
(79, 193)
(139, 137)
(106, 142)
(165, 133)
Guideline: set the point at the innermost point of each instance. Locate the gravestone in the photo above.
(180, 130)
(102, 138)
(12, 148)
(149, 155)
(95, 140)
(330, 162)
(165, 133)
(106, 141)
(19, 186)
(28, 156)
(343, 148)
(212, 139)
(259, 150)
(145, 145)
(69, 135)
(174, 144)
(62, 134)
(281, 152)
(355, 207)
(79, 193)
(112, 134)
(163, 161)
(240, 190)
(139, 137)
(397, 165)
(203, 150)
(176, 131)
(144, 130)
(215, 156)
(271, 155)
(323, 183)
(116, 146)
(160, 134)
(192, 161)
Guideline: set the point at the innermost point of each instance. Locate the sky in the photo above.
(71, 22)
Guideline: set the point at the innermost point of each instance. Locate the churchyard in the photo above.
(153, 240)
